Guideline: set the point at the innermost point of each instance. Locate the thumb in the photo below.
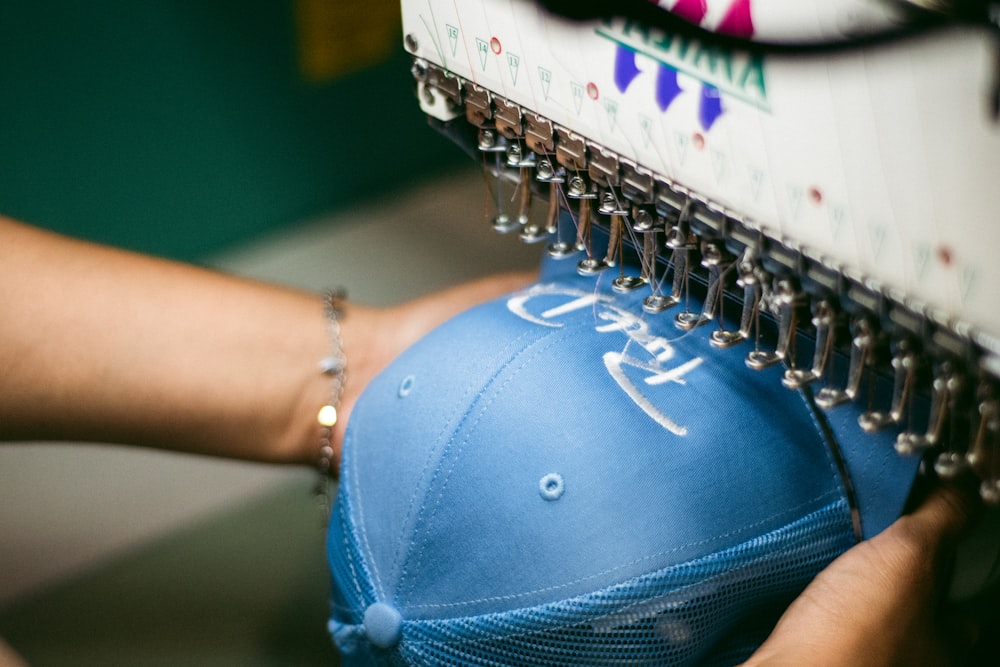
(942, 518)
(877, 603)
(918, 550)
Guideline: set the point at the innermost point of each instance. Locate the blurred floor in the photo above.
(119, 556)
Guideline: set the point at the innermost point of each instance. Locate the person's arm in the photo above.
(99, 344)
(884, 601)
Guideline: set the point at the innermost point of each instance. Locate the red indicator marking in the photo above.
(945, 255)
(592, 91)
(495, 46)
(698, 140)
(815, 195)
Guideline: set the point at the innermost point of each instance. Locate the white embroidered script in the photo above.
(614, 319)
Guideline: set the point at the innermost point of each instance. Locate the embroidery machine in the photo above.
(827, 170)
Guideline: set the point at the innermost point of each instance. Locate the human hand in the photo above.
(883, 601)
(373, 337)
(8, 657)
(144, 351)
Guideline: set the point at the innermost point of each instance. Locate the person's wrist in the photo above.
(334, 367)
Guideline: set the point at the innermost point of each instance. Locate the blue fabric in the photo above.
(556, 456)
(674, 615)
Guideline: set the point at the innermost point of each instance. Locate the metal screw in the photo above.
(419, 70)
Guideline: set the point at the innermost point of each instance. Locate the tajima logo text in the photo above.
(717, 72)
(644, 352)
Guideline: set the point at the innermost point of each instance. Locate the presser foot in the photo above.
(796, 378)
(657, 303)
(532, 233)
(504, 224)
(828, 397)
(687, 321)
(909, 444)
(723, 339)
(989, 491)
(627, 283)
(871, 422)
(758, 360)
(562, 250)
(949, 465)
(592, 266)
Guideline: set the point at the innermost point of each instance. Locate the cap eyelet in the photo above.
(551, 486)
(406, 386)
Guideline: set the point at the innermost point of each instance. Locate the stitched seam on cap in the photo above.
(843, 480)
(697, 543)
(549, 339)
(795, 544)
(402, 552)
(347, 531)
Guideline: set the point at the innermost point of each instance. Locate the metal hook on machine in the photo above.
(611, 206)
(984, 457)
(788, 299)
(523, 161)
(547, 172)
(951, 462)
(945, 386)
(656, 302)
(681, 242)
(904, 370)
(644, 224)
(714, 258)
(824, 320)
(750, 278)
(492, 143)
(614, 205)
(862, 349)
(580, 189)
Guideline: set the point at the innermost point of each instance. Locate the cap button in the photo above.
(383, 625)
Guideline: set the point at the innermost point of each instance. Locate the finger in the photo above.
(944, 516)
(9, 658)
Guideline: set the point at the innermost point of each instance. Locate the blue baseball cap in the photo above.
(559, 478)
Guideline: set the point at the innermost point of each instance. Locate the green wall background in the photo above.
(180, 127)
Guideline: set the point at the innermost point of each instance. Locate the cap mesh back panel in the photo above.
(713, 610)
